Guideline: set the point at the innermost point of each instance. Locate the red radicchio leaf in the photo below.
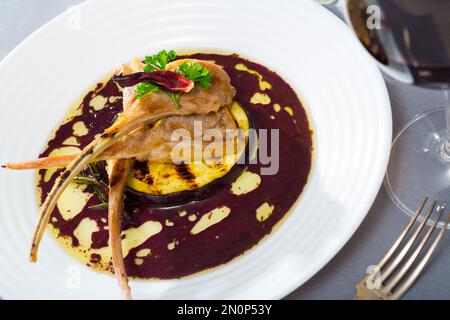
(167, 80)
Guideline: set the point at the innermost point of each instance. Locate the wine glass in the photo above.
(410, 39)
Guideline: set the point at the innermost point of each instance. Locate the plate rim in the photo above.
(293, 285)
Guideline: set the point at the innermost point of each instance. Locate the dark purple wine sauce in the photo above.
(240, 230)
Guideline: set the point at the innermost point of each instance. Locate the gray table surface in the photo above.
(19, 18)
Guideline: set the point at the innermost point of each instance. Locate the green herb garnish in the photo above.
(196, 72)
(175, 98)
(91, 177)
(144, 88)
(159, 61)
(190, 70)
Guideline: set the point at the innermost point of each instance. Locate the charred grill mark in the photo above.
(142, 173)
(140, 170)
(184, 172)
(121, 170)
(148, 179)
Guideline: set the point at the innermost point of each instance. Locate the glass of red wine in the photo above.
(410, 39)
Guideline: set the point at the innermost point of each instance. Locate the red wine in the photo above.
(412, 38)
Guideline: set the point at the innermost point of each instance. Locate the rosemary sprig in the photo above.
(91, 176)
(99, 206)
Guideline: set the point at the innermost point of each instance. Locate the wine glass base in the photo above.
(418, 164)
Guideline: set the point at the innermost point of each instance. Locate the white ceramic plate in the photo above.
(343, 91)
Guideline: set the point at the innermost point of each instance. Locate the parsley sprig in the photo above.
(196, 72)
(159, 61)
(144, 88)
(190, 70)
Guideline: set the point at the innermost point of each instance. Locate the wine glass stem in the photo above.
(445, 148)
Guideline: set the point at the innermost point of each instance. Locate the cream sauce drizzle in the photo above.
(143, 253)
(72, 201)
(245, 183)
(289, 110)
(260, 98)
(134, 237)
(84, 232)
(263, 85)
(211, 218)
(71, 141)
(59, 152)
(98, 102)
(79, 129)
(264, 211)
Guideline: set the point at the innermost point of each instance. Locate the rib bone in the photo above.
(147, 110)
(119, 170)
(95, 148)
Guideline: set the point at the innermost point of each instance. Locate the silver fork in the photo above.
(390, 281)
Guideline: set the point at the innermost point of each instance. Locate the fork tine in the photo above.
(392, 283)
(413, 276)
(402, 235)
(385, 274)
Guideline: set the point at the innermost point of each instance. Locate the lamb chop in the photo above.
(147, 143)
(116, 143)
(118, 173)
(138, 112)
(137, 145)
